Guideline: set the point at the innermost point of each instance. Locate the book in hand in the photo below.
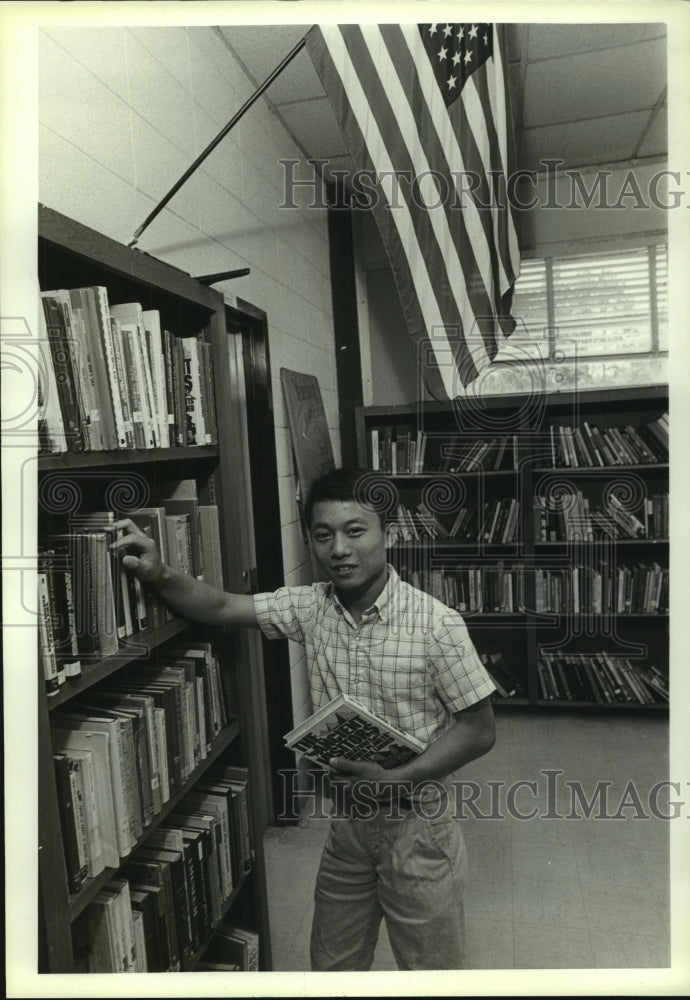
(344, 728)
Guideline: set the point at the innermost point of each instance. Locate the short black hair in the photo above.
(345, 485)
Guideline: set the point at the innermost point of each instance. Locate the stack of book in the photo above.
(170, 894)
(590, 446)
(601, 678)
(397, 450)
(124, 749)
(89, 604)
(469, 454)
(572, 517)
(415, 525)
(598, 589)
(401, 451)
(114, 378)
(495, 522)
(496, 589)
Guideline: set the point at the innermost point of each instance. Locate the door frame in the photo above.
(251, 324)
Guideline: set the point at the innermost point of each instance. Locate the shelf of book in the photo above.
(652, 467)
(424, 477)
(93, 673)
(191, 963)
(443, 545)
(96, 459)
(147, 432)
(80, 900)
(513, 501)
(560, 542)
(656, 708)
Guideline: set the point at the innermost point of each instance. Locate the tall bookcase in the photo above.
(72, 256)
(545, 597)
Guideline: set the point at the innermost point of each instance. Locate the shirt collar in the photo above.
(382, 602)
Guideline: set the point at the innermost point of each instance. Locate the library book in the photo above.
(344, 728)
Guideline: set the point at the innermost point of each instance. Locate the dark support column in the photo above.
(345, 325)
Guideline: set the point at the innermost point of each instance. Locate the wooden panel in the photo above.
(51, 864)
(69, 250)
(92, 459)
(139, 266)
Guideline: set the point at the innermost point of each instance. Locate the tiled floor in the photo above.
(542, 892)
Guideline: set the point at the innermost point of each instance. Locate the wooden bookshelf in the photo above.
(72, 255)
(78, 901)
(521, 435)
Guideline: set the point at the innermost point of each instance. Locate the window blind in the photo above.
(611, 303)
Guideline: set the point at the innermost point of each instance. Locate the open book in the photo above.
(344, 728)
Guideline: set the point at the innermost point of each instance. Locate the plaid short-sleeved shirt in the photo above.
(410, 659)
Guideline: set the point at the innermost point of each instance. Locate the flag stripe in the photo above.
(426, 108)
(444, 321)
(487, 93)
(460, 150)
(401, 136)
(473, 121)
(432, 131)
(486, 150)
(356, 115)
(499, 95)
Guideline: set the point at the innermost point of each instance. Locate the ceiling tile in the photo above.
(262, 47)
(598, 140)
(655, 143)
(298, 81)
(583, 102)
(574, 87)
(314, 125)
(548, 40)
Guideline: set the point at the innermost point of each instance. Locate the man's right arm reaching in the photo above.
(185, 596)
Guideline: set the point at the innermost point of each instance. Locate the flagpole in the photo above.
(221, 135)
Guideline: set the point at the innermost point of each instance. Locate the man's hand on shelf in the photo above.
(140, 552)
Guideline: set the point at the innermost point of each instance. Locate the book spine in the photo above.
(151, 417)
(75, 866)
(106, 334)
(131, 375)
(63, 371)
(60, 579)
(151, 319)
(122, 384)
(195, 420)
(180, 393)
(109, 398)
(46, 635)
(169, 372)
(209, 396)
(92, 381)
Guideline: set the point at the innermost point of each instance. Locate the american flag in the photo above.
(425, 113)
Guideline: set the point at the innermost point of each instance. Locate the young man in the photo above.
(408, 658)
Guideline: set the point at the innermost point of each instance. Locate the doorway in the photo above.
(250, 323)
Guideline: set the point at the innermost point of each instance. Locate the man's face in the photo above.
(349, 543)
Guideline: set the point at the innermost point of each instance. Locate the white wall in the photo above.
(621, 205)
(123, 113)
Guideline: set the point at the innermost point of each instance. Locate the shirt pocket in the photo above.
(404, 685)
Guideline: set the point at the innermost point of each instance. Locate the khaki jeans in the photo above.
(409, 870)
